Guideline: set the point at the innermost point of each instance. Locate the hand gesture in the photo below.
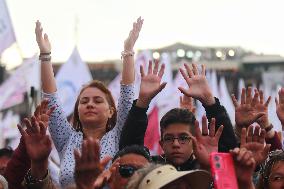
(203, 143)
(42, 41)
(42, 112)
(150, 83)
(105, 176)
(88, 165)
(254, 141)
(133, 35)
(186, 102)
(246, 113)
(280, 106)
(244, 166)
(38, 144)
(261, 106)
(198, 86)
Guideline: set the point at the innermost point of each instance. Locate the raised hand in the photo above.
(186, 102)
(203, 143)
(280, 106)
(254, 140)
(244, 166)
(42, 112)
(88, 165)
(261, 106)
(246, 112)
(42, 40)
(38, 144)
(133, 35)
(150, 83)
(198, 86)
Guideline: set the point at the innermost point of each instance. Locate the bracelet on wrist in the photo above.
(127, 53)
(30, 179)
(44, 54)
(45, 58)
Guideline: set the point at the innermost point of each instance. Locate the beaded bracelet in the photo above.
(126, 53)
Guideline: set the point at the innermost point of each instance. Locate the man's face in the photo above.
(3, 164)
(276, 178)
(176, 143)
(126, 162)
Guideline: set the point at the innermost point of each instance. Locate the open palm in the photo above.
(133, 35)
(42, 40)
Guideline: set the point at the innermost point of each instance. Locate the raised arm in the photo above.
(47, 75)
(128, 54)
(199, 89)
(135, 126)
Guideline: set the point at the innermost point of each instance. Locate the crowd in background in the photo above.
(102, 145)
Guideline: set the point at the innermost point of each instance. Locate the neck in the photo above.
(96, 132)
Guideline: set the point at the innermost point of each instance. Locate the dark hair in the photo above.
(178, 115)
(266, 167)
(134, 149)
(95, 84)
(6, 152)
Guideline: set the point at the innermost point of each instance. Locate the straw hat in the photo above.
(163, 175)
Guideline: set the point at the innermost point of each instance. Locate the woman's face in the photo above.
(93, 107)
(276, 177)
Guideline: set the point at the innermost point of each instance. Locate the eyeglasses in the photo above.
(184, 139)
(126, 171)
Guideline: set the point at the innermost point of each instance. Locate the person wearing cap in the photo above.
(167, 177)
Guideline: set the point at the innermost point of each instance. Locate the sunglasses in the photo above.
(126, 171)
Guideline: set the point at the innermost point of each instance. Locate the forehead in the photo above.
(278, 167)
(133, 159)
(177, 128)
(92, 92)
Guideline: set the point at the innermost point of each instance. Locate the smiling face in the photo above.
(93, 107)
(177, 151)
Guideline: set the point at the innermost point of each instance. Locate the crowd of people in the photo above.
(102, 146)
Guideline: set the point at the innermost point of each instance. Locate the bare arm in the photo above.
(47, 75)
(128, 54)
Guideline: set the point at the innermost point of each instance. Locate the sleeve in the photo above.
(228, 139)
(18, 166)
(135, 127)
(59, 127)
(110, 141)
(275, 142)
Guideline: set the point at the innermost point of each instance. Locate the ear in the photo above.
(111, 112)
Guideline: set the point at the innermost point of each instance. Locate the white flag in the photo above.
(7, 35)
(13, 89)
(70, 78)
(226, 101)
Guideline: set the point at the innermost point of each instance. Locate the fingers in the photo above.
(212, 127)
(194, 69)
(255, 99)
(142, 71)
(162, 70)
(249, 95)
(243, 96)
(261, 138)
(189, 72)
(235, 102)
(156, 67)
(161, 87)
(194, 144)
(22, 131)
(150, 70)
(255, 136)
(250, 134)
(204, 126)
(219, 132)
(243, 137)
(267, 102)
(203, 69)
(105, 161)
(197, 129)
(184, 91)
(185, 76)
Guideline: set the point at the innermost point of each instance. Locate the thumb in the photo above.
(184, 91)
(161, 87)
(258, 115)
(105, 161)
(194, 144)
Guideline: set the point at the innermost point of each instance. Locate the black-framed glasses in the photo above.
(126, 171)
(183, 139)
